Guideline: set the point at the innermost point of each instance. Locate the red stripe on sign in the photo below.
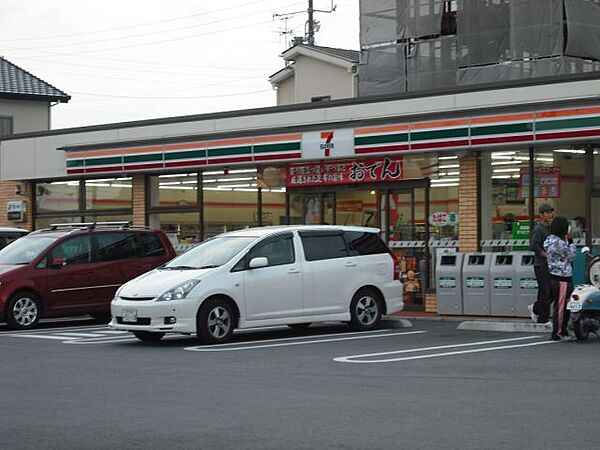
(389, 148)
(567, 134)
(461, 143)
(144, 166)
(274, 157)
(230, 160)
(185, 163)
(69, 171)
(500, 140)
(103, 169)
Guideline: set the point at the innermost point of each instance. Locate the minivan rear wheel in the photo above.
(365, 310)
(23, 311)
(214, 324)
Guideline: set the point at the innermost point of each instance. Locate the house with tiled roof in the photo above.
(314, 73)
(25, 100)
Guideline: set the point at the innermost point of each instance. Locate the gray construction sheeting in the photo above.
(483, 31)
(419, 18)
(523, 70)
(432, 64)
(378, 21)
(382, 71)
(536, 28)
(583, 28)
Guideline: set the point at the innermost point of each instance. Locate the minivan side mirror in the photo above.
(57, 263)
(258, 262)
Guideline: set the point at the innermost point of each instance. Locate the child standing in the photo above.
(561, 253)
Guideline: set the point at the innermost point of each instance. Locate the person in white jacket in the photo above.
(560, 252)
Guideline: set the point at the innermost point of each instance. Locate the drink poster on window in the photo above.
(369, 170)
(546, 182)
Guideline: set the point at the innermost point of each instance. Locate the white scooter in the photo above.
(584, 303)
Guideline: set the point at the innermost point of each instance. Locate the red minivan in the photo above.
(74, 269)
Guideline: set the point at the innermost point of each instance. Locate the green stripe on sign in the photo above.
(142, 158)
(502, 129)
(568, 123)
(185, 155)
(103, 161)
(439, 134)
(272, 148)
(75, 163)
(381, 139)
(231, 151)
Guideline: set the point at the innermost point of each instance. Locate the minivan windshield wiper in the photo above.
(211, 266)
(177, 268)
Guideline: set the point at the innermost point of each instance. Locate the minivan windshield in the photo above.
(25, 249)
(211, 253)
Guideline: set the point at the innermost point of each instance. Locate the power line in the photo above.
(171, 98)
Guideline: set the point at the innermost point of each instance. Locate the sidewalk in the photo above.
(476, 323)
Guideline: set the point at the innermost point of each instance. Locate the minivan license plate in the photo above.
(129, 315)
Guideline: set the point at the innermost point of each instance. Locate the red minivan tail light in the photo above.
(396, 266)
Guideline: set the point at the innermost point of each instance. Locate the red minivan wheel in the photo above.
(23, 311)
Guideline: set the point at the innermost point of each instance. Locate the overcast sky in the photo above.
(123, 60)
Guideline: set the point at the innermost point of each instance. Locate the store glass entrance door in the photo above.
(406, 213)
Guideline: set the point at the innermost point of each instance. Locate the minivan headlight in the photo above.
(178, 292)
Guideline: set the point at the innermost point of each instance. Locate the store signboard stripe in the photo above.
(585, 122)
(439, 134)
(526, 117)
(229, 151)
(567, 112)
(381, 130)
(75, 171)
(103, 161)
(381, 139)
(186, 163)
(275, 139)
(279, 147)
(503, 129)
(230, 160)
(75, 163)
(454, 123)
(277, 157)
(142, 158)
(446, 144)
(381, 149)
(502, 139)
(192, 154)
(103, 169)
(567, 135)
(112, 152)
(144, 166)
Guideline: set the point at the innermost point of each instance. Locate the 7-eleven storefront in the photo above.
(432, 179)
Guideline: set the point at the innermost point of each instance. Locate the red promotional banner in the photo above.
(546, 182)
(369, 170)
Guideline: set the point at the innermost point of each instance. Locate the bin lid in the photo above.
(594, 272)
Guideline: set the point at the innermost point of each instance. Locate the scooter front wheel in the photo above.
(581, 326)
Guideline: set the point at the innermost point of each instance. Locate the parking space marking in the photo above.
(359, 359)
(91, 335)
(285, 342)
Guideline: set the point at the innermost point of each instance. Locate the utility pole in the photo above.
(311, 26)
(310, 36)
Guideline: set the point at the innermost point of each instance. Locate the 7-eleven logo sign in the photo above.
(326, 142)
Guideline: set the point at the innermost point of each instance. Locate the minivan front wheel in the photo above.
(23, 311)
(365, 310)
(214, 324)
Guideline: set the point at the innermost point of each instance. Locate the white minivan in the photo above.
(284, 275)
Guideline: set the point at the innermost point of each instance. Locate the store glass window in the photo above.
(272, 181)
(108, 193)
(174, 190)
(109, 218)
(57, 196)
(181, 228)
(46, 222)
(230, 200)
(597, 168)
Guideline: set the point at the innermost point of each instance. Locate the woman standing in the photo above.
(561, 253)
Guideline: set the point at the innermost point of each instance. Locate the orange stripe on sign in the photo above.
(567, 112)
(282, 138)
(232, 142)
(439, 124)
(372, 130)
(120, 151)
(497, 119)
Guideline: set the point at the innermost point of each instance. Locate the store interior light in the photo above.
(177, 175)
(545, 159)
(119, 185)
(98, 184)
(504, 163)
(515, 169)
(226, 180)
(501, 177)
(444, 185)
(572, 151)
(449, 166)
(447, 157)
(445, 180)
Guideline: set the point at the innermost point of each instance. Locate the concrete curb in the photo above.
(396, 322)
(512, 327)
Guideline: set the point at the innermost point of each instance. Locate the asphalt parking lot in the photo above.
(77, 384)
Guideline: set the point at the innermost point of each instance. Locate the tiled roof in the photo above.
(18, 83)
(350, 55)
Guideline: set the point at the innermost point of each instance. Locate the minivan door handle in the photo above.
(292, 271)
(350, 264)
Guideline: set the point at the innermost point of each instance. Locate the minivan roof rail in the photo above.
(89, 225)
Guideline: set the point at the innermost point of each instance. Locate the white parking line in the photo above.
(358, 359)
(278, 342)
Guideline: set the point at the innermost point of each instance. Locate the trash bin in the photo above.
(527, 283)
(503, 285)
(476, 284)
(448, 271)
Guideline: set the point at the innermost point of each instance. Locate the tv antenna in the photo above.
(311, 27)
